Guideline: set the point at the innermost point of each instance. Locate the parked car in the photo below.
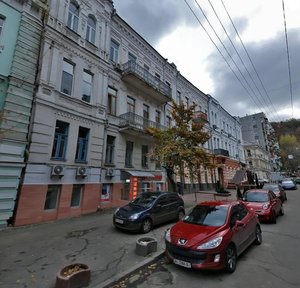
(264, 203)
(213, 235)
(278, 191)
(149, 209)
(297, 181)
(288, 184)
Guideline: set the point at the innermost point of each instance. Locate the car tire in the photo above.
(230, 258)
(146, 225)
(180, 215)
(281, 212)
(258, 236)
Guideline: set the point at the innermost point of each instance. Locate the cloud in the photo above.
(157, 19)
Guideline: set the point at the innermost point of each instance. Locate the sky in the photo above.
(235, 50)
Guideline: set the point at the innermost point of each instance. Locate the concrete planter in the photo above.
(73, 276)
(145, 246)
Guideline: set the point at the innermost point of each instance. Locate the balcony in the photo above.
(221, 152)
(200, 116)
(134, 124)
(141, 79)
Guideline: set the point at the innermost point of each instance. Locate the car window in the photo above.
(163, 200)
(253, 196)
(207, 215)
(272, 195)
(144, 200)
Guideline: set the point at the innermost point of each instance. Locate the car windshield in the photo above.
(207, 215)
(287, 182)
(144, 200)
(256, 197)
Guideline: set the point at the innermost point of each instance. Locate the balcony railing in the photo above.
(132, 68)
(221, 152)
(200, 116)
(133, 121)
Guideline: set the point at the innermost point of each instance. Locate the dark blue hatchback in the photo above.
(149, 209)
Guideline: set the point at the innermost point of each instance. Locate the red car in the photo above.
(278, 191)
(213, 235)
(264, 203)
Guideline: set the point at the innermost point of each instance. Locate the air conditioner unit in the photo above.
(110, 172)
(81, 172)
(57, 170)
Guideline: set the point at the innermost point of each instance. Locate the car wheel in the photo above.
(231, 259)
(281, 212)
(146, 225)
(180, 215)
(258, 236)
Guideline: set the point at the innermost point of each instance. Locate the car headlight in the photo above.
(168, 235)
(266, 206)
(134, 216)
(214, 243)
(116, 211)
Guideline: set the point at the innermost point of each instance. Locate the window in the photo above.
(157, 76)
(2, 20)
(73, 16)
(157, 116)
(90, 30)
(82, 144)
(110, 149)
(87, 86)
(114, 51)
(60, 140)
(76, 195)
(52, 197)
(178, 97)
(146, 111)
(130, 104)
(187, 102)
(168, 121)
(112, 101)
(67, 77)
(131, 57)
(129, 154)
(144, 156)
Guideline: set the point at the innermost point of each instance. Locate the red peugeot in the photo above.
(264, 203)
(213, 235)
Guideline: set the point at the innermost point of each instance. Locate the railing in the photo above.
(222, 152)
(131, 67)
(199, 115)
(133, 120)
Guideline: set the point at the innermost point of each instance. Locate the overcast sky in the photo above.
(244, 80)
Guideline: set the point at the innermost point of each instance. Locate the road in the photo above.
(273, 264)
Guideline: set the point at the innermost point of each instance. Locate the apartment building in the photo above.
(20, 37)
(100, 86)
(225, 142)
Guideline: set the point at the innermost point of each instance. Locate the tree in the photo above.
(289, 152)
(180, 148)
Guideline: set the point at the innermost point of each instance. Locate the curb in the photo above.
(125, 274)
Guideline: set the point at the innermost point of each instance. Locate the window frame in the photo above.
(2, 23)
(110, 149)
(91, 30)
(65, 75)
(78, 200)
(144, 158)
(112, 101)
(48, 205)
(129, 154)
(88, 85)
(73, 17)
(60, 141)
(82, 145)
(114, 51)
(130, 104)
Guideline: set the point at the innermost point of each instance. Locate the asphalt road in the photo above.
(274, 264)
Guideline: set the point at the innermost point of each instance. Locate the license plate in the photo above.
(120, 221)
(182, 263)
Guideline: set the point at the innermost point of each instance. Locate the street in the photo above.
(272, 264)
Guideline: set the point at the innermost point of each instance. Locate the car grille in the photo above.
(185, 254)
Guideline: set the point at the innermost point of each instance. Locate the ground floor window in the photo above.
(77, 195)
(106, 192)
(52, 197)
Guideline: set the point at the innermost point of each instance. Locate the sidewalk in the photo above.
(31, 256)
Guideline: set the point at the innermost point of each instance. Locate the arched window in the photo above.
(73, 16)
(91, 30)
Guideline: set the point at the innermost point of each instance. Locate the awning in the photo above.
(136, 173)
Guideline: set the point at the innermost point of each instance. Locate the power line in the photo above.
(237, 33)
(288, 58)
